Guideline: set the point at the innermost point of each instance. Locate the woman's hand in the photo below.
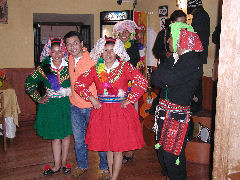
(44, 100)
(124, 103)
(96, 104)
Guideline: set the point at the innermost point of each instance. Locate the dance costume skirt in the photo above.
(113, 128)
(53, 119)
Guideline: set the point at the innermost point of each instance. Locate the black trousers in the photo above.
(169, 168)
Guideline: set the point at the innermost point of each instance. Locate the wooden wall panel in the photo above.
(16, 77)
(207, 91)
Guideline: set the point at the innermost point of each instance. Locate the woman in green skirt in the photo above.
(53, 115)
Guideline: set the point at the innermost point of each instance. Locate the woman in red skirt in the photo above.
(114, 124)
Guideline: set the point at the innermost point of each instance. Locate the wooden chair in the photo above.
(2, 121)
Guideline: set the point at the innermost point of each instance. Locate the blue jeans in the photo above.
(80, 119)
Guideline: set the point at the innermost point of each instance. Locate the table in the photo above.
(11, 108)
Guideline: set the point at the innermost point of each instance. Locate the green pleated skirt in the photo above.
(53, 119)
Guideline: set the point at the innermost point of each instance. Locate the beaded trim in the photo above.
(61, 71)
(132, 97)
(41, 72)
(110, 98)
(139, 82)
(169, 107)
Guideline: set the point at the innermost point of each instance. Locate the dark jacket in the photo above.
(160, 46)
(201, 25)
(133, 53)
(179, 81)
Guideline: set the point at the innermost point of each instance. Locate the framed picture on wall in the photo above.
(3, 11)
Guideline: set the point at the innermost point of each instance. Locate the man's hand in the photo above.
(195, 99)
(44, 100)
(124, 103)
(96, 104)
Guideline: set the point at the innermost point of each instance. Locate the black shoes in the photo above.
(49, 171)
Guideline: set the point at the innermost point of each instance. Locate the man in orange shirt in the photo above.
(79, 62)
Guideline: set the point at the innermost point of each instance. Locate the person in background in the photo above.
(201, 25)
(114, 124)
(125, 31)
(178, 78)
(53, 115)
(161, 49)
(80, 62)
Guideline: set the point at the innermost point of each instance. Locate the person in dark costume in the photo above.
(161, 50)
(178, 78)
(160, 47)
(201, 25)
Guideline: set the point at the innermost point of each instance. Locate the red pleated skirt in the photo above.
(113, 128)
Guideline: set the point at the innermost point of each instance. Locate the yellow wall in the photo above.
(16, 37)
(211, 6)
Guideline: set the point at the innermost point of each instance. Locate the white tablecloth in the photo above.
(10, 127)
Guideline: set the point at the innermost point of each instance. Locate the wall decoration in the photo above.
(3, 11)
(163, 11)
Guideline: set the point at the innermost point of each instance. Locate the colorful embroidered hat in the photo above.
(125, 25)
(118, 49)
(184, 37)
(47, 48)
(190, 40)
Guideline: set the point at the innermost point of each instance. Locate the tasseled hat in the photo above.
(118, 49)
(47, 48)
(125, 25)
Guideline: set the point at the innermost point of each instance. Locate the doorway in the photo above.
(47, 25)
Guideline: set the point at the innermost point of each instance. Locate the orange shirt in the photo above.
(84, 64)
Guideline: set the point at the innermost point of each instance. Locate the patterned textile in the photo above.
(116, 78)
(175, 125)
(110, 98)
(190, 41)
(190, 38)
(31, 84)
(112, 127)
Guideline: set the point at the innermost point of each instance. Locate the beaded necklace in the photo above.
(107, 81)
(102, 75)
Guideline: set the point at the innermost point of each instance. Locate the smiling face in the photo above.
(56, 53)
(109, 55)
(74, 46)
(124, 36)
